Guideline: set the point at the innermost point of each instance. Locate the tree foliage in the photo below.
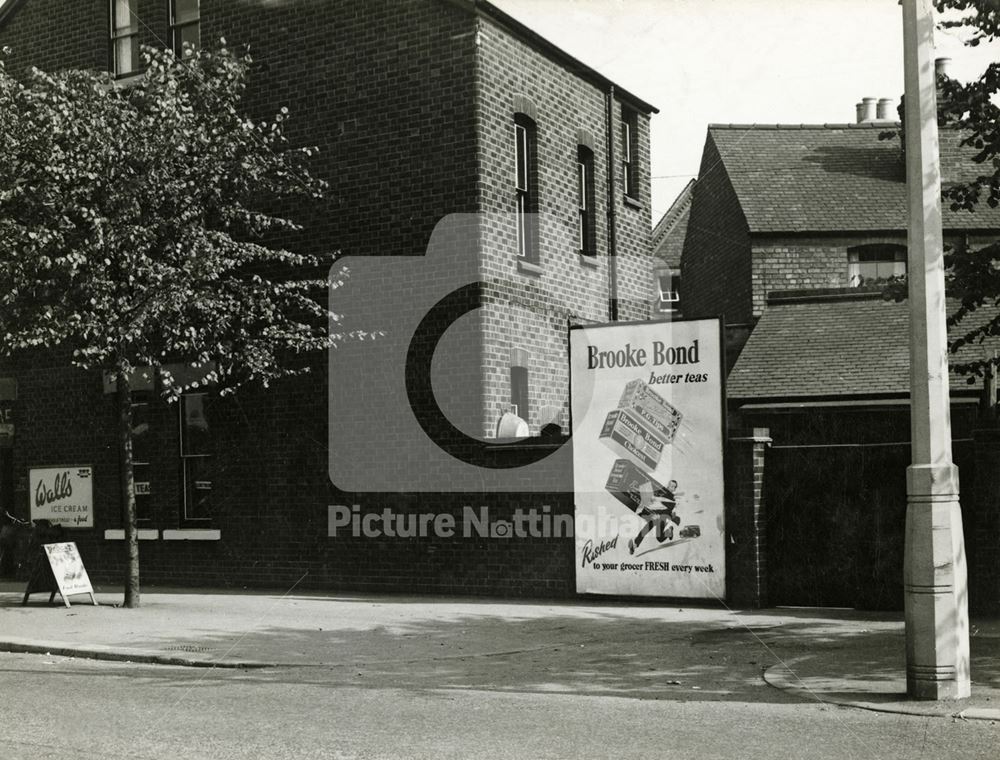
(972, 275)
(135, 226)
(138, 228)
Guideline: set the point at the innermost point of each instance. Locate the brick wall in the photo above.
(80, 40)
(715, 264)
(564, 288)
(746, 518)
(412, 117)
(636, 289)
(801, 262)
(384, 90)
(795, 263)
(270, 499)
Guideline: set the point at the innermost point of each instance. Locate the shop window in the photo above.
(185, 24)
(870, 263)
(196, 458)
(141, 456)
(125, 58)
(630, 153)
(525, 187)
(585, 201)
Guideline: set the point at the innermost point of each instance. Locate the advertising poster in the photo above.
(62, 495)
(68, 570)
(647, 459)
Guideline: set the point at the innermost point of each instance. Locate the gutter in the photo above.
(515, 27)
(612, 209)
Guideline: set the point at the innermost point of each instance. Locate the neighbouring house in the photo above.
(668, 245)
(791, 230)
(421, 109)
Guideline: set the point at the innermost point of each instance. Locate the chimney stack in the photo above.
(867, 110)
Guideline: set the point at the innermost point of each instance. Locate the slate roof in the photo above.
(670, 231)
(833, 177)
(829, 344)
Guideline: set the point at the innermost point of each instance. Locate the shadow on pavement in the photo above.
(434, 645)
(602, 655)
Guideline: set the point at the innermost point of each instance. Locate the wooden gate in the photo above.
(835, 522)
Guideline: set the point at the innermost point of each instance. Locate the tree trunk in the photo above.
(128, 488)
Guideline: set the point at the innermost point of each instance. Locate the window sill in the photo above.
(529, 267)
(192, 534)
(124, 82)
(118, 534)
(588, 260)
(633, 202)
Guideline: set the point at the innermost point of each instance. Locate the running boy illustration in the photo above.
(657, 507)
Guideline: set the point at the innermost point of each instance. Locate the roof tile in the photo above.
(820, 347)
(834, 177)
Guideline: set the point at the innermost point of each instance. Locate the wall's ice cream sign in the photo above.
(62, 495)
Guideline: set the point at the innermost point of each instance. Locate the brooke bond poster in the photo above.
(647, 459)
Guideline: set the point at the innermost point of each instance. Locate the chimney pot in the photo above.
(860, 111)
(942, 66)
(884, 110)
(868, 110)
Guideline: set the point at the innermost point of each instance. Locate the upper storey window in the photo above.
(585, 201)
(867, 263)
(125, 58)
(525, 186)
(185, 24)
(630, 153)
(669, 295)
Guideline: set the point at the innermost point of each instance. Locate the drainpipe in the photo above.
(612, 240)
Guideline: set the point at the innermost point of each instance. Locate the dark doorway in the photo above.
(835, 524)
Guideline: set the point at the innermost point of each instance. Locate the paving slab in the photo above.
(642, 650)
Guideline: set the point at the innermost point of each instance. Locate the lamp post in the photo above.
(934, 568)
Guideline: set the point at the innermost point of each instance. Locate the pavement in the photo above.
(639, 650)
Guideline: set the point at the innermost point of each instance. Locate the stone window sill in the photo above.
(529, 267)
(192, 534)
(633, 202)
(118, 534)
(588, 260)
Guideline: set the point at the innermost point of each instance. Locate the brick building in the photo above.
(668, 245)
(790, 207)
(423, 110)
(790, 230)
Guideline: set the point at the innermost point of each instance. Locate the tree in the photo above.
(138, 228)
(973, 276)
